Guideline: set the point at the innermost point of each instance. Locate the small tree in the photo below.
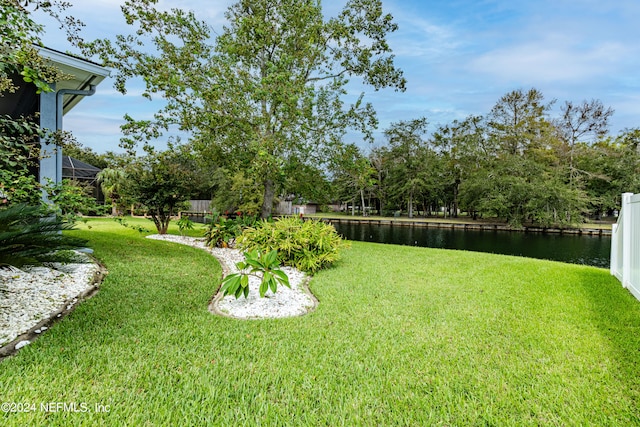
(161, 182)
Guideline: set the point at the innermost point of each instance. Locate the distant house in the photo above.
(305, 209)
(287, 207)
(51, 106)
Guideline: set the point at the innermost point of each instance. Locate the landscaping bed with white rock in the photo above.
(34, 297)
(286, 302)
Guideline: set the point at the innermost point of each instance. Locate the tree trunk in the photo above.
(267, 202)
(410, 207)
(455, 199)
(362, 201)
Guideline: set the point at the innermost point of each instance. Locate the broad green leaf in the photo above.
(267, 276)
(254, 263)
(273, 285)
(272, 258)
(264, 286)
(282, 277)
(230, 284)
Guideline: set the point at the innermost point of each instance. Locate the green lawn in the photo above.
(402, 336)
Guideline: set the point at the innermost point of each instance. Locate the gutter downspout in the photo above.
(59, 112)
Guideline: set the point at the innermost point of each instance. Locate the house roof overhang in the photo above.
(85, 74)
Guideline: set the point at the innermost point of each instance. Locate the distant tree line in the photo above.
(516, 163)
(263, 104)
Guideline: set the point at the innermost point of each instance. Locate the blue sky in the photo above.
(459, 58)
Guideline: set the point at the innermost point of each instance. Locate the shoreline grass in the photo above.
(402, 336)
(442, 220)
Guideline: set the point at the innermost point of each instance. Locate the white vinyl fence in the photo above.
(625, 244)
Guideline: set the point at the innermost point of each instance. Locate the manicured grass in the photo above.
(402, 336)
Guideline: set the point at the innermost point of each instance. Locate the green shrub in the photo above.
(184, 224)
(263, 266)
(306, 245)
(222, 232)
(30, 236)
(73, 198)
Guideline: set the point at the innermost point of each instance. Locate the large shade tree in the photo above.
(353, 175)
(521, 178)
(580, 123)
(269, 90)
(463, 146)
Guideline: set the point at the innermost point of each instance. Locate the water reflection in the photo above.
(576, 249)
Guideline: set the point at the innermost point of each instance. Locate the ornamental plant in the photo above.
(261, 265)
(306, 245)
(184, 224)
(221, 233)
(30, 235)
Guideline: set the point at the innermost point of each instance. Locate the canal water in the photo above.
(570, 248)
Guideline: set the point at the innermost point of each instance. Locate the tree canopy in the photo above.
(518, 163)
(266, 92)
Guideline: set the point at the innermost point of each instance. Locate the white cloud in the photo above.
(421, 39)
(546, 61)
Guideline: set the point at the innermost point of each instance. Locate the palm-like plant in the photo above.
(30, 236)
(112, 180)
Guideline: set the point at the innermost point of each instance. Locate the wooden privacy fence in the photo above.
(200, 206)
(625, 244)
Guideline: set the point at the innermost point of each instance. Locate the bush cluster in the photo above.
(306, 245)
(221, 230)
(30, 235)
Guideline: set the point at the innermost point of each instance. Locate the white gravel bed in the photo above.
(284, 303)
(33, 294)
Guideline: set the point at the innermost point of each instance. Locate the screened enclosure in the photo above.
(83, 173)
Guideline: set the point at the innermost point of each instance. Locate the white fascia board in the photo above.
(65, 60)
